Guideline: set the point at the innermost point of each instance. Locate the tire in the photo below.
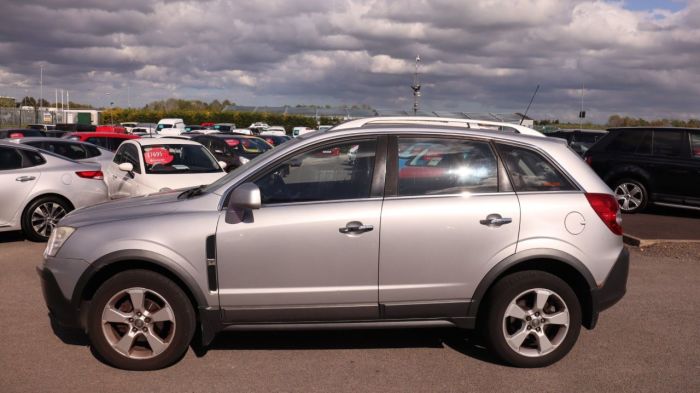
(41, 216)
(631, 195)
(146, 337)
(514, 330)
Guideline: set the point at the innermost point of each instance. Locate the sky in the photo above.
(637, 58)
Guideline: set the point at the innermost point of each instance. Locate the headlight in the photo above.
(243, 160)
(58, 237)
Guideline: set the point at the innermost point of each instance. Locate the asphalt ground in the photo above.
(658, 223)
(645, 343)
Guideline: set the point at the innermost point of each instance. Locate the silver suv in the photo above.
(422, 225)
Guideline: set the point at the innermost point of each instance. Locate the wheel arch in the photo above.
(563, 265)
(109, 265)
(44, 195)
(633, 172)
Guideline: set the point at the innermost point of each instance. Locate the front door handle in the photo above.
(25, 178)
(355, 227)
(495, 220)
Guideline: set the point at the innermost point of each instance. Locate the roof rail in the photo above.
(437, 121)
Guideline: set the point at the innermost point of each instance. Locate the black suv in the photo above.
(579, 140)
(649, 165)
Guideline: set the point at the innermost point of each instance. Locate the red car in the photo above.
(107, 140)
(207, 124)
(110, 128)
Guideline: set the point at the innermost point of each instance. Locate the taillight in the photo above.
(97, 175)
(608, 210)
(588, 160)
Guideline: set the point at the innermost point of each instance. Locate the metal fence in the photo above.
(15, 117)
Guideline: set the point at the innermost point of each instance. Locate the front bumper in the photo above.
(614, 288)
(60, 308)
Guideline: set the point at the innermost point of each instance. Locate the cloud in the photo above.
(476, 55)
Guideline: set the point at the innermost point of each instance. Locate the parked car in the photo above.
(170, 127)
(275, 140)
(524, 243)
(207, 124)
(144, 129)
(75, 150)
(258, 127)
(644, 166)
(224, 127)
(234, 150)
(110, 128)
(146, 166)
(579, 140)
(106, 140)
(324, 127)
(75, 127)
(41, 127)
(274, 130)
(18, 133)
(39, 188)
(129, 126)
(298, 131)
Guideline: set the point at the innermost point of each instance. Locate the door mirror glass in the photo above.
(126, 167)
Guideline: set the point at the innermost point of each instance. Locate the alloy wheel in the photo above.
(138, 323)
(536, 322)
(45, 217)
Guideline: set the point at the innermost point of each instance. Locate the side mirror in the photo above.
(243, 199)
(126, 167)
(222, 164)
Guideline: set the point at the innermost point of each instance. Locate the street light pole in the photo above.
(416, 87)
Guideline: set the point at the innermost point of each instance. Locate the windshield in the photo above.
(178, 159)
(247, 145)
(161, 126)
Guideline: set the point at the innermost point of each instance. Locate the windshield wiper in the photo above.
(192, 192)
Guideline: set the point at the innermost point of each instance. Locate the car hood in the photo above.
(123, 209)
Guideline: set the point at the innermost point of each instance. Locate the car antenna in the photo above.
(528, 105)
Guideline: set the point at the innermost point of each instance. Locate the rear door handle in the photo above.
(355, 227)
(25, 178)
(495, 220)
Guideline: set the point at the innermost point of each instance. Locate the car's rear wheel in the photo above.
(40, 217)
(631, 195)
(140, 320)
(533, 320)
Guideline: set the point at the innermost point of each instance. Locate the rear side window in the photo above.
(695, 144)
(439, 166)
(102, 142)
(668, 143)
(32, 158)
(92, 151)
(631, 141)
(9, 159)
(530, 171)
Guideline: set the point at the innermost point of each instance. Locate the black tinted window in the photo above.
(73, 151)
(92, 151)
(102, 142)
(9, 159)
(529, 171)
(668, 143)
(695, 144)
(331, 172)
(32, 158)
(445, 166)
(631, 141)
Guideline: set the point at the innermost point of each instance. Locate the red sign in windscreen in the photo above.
(158, 155)
(232, 142)
(16, 135)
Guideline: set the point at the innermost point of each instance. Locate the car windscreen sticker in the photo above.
(16, 135)
(157, 155)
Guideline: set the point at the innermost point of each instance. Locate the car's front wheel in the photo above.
(534, 319)
(140, 320)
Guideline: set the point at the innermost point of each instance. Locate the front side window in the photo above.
(177, 159)
(530, 171)
(332, 172)
(438, 166)
(668, 143)
(130, 154)
(695, 144)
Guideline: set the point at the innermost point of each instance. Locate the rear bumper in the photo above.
(614, 288)
(60, 308)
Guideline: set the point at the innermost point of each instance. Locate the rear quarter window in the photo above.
(631, 141)
(530, 171)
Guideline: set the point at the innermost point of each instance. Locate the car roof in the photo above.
(163, 141)
(654, 128)
(457, 123)
(103, 134)
(232, 136)
(47, 139)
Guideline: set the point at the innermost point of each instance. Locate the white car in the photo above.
(168, 127)
(274, 130)
(242, 131)
(146, 166)
(39, 188)
(297, 131)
